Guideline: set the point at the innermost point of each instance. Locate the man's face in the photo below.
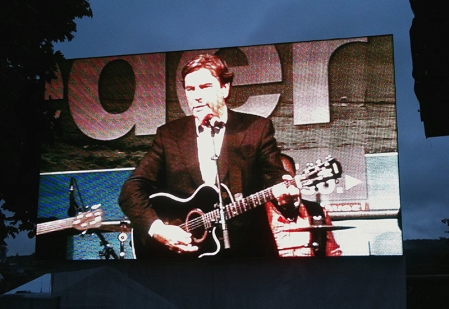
(204, 93)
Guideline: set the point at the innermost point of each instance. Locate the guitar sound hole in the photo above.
(195, 225)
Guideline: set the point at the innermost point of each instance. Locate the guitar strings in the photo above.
(235, 208)
(231, 210)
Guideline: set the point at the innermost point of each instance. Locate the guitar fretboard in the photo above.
(53, 226)
(83, 221)
(243, 205)
(233, 209)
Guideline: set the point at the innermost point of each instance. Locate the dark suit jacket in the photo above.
(248, 163)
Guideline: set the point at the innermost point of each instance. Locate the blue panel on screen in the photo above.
(91, 188)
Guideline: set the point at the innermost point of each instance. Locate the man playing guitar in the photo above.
(182, 161)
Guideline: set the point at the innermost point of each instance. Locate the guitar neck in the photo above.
(53, 226)
(313, 175)
(236, 208)
(252, 201)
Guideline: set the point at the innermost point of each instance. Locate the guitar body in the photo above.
(176, 211)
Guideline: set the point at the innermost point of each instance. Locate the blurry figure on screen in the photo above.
(292, 236)
(179, 174)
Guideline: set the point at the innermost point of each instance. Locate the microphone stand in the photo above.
(74, 208)
(224, 227)
(107, 251)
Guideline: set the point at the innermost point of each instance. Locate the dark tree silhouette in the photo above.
(28, 29)
(446, 221)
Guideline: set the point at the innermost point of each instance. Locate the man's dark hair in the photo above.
(214, 64)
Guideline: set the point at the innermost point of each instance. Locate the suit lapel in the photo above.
(232, 140)
(188, 150)
(234, 136)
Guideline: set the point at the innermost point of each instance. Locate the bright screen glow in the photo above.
(331, 97)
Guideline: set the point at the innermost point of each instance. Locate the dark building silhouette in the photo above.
(428, 36)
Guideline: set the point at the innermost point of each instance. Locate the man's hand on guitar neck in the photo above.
(172, 236)
(287, 193)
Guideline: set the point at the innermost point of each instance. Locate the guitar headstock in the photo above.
(88, 220)
(321, 172)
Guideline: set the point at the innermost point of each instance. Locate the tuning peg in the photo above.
(96, 206)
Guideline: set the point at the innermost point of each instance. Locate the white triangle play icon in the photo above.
(351, 182)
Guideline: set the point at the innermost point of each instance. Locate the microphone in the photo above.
(212, 121)
(71, 188)
(73, 207)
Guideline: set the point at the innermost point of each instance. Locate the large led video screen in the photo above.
(333, 108)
